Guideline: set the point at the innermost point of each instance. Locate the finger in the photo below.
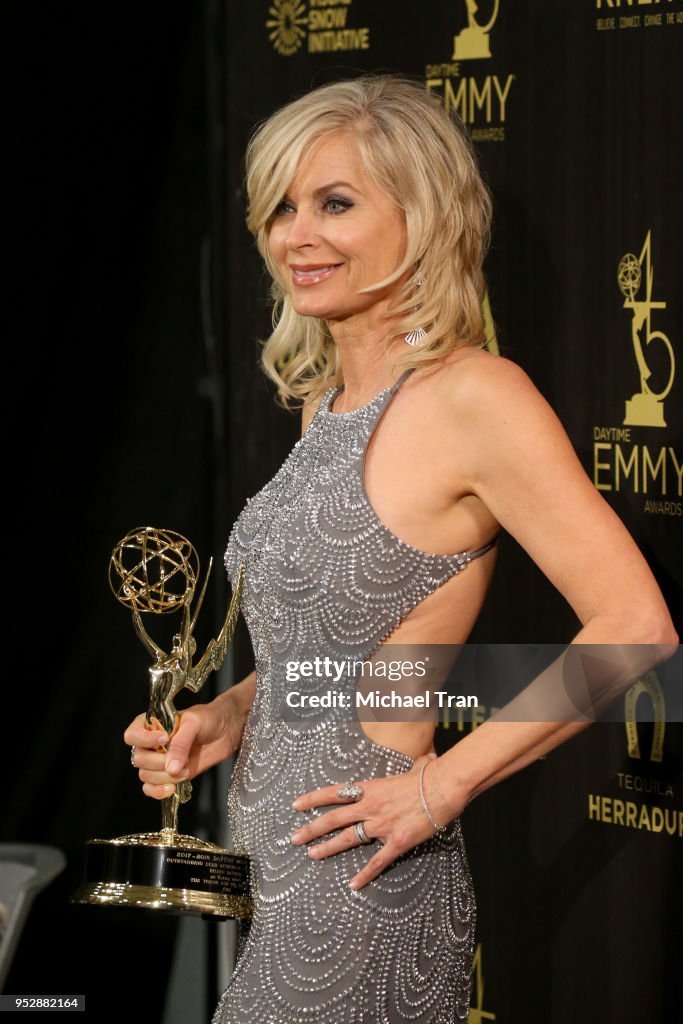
(344, 841)
(378, 863)
(321, 797)
(181, 742)
(328, 822)
(162, 778)
(152, 760)
(137, 735)
(158, 792)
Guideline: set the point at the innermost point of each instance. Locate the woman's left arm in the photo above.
(521, 464)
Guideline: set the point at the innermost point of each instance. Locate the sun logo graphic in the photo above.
(288, 21)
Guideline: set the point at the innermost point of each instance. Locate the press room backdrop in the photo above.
(134, 398)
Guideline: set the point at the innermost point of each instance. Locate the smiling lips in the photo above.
(313, 274)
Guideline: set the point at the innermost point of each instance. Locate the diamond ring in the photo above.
(350, 791)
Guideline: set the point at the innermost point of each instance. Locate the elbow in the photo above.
(646, 621)
(655, 626)
(671, 638)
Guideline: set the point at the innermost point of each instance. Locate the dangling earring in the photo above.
(416, 336)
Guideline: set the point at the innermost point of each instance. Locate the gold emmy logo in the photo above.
(650, 686)
(477, 1015)
(288, 21)
(646, 408)
(472, 43)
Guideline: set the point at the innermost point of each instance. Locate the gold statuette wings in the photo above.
(212, 658)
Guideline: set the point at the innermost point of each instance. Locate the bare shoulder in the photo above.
(478, 389)
(479, 376)
(494, 416)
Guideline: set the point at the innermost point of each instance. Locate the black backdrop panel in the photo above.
(107, 430)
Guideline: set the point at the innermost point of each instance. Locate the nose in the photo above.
(302, 230)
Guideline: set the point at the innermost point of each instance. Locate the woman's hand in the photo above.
(390, 810)
(205, 734)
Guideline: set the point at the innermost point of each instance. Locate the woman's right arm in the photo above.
(205, 734)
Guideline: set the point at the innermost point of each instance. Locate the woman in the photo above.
(372, 218)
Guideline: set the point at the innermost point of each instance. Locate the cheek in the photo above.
(276, 258)
(389, 249)
(275, 245)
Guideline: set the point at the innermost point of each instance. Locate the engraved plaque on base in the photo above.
(171, 872)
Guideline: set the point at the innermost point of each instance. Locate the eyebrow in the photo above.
(332, 185)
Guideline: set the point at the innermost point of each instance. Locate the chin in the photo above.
(318, 310)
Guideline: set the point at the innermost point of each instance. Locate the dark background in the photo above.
(132, 397)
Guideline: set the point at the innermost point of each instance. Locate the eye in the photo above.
(283, 207)
(337, 204)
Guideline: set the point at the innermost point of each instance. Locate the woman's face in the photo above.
(334, 233)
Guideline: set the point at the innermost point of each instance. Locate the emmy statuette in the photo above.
(157, 571)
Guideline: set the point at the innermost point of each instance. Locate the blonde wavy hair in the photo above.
(423, 159)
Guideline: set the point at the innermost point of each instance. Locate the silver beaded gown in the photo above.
(324, 576)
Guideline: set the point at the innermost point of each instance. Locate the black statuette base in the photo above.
(178, 879)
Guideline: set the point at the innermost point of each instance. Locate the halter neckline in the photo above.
(330, 396)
